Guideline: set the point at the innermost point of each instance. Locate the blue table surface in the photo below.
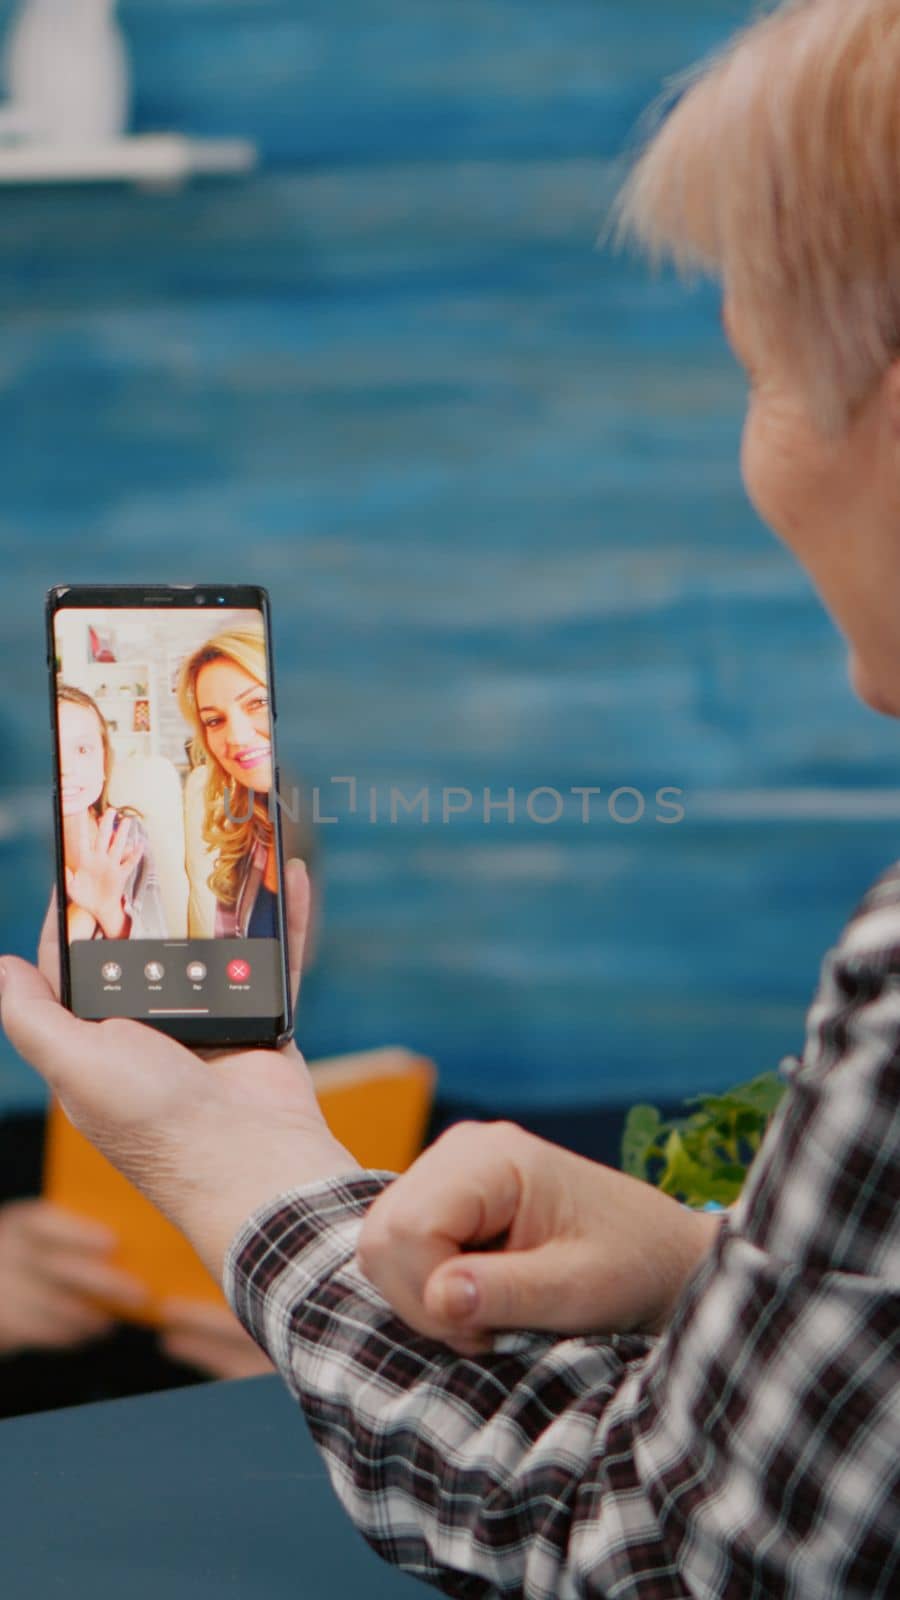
(215, 1491)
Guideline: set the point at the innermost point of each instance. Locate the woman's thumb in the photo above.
(500, 1289)
(33, 1020)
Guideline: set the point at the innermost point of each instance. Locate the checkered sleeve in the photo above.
(769, 1432)
(751, 1451)
(471, 1474)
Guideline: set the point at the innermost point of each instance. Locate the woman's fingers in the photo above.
(62, 1251)
(44, 1318)
(48, 949)
(119, 838)
(221, 1359)
(45, 1226)
(465, 1190)
(69, 1252)
(540, 1288)
(112, 1077)
(211, 1337)
(54, 1041)
(548, 1264)
(105, 828)
(84, 1276)
(198, 1316)
(296, 879)
(128, 843)
(128, 860)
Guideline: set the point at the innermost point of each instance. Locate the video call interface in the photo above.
(166, 798)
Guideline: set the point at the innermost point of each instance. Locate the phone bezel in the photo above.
(208, 1032)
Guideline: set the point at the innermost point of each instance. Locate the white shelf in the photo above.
(148, 158)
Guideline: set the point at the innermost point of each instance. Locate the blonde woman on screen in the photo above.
(223, 695)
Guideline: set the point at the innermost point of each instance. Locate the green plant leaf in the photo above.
(705, 1155)
(684, 1175)
(762, 1094)
(640, 1139)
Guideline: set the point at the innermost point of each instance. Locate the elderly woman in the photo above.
(714, 1407)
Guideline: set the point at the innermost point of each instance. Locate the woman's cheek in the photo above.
(756, 467)
(99, 776)
(777, 473)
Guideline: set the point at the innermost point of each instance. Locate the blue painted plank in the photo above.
(490, 474)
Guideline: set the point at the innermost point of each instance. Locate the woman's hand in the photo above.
(493, 1228)
(211, 1338)
(79, 923)
(106, 860)
(208, 1141)
(51, 1263)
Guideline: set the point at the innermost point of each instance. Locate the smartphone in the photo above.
(169, 856)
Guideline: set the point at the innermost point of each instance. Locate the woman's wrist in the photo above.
(114, 921)
(698, 1239)
(211, 1207)
(679, 1251)
(80, 924)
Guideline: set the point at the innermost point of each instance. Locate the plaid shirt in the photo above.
(751, 1451)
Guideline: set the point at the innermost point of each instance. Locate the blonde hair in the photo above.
(779, 171)
(231, 840)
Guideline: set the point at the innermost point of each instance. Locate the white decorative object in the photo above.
(67, 73)
(68, 84)
(151, 160)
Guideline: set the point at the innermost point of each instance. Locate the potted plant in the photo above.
(704, 1157)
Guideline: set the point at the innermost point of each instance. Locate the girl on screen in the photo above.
(223, 695)
(112, 887)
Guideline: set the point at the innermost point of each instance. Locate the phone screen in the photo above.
(169, 848)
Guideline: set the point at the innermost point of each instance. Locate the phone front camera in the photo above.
(199, 599)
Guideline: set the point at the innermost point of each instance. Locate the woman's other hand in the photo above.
(493, 1228)
(51, 1264)
(106, 859)
(211, 1338)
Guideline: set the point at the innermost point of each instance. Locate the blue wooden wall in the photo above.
(490, 475)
